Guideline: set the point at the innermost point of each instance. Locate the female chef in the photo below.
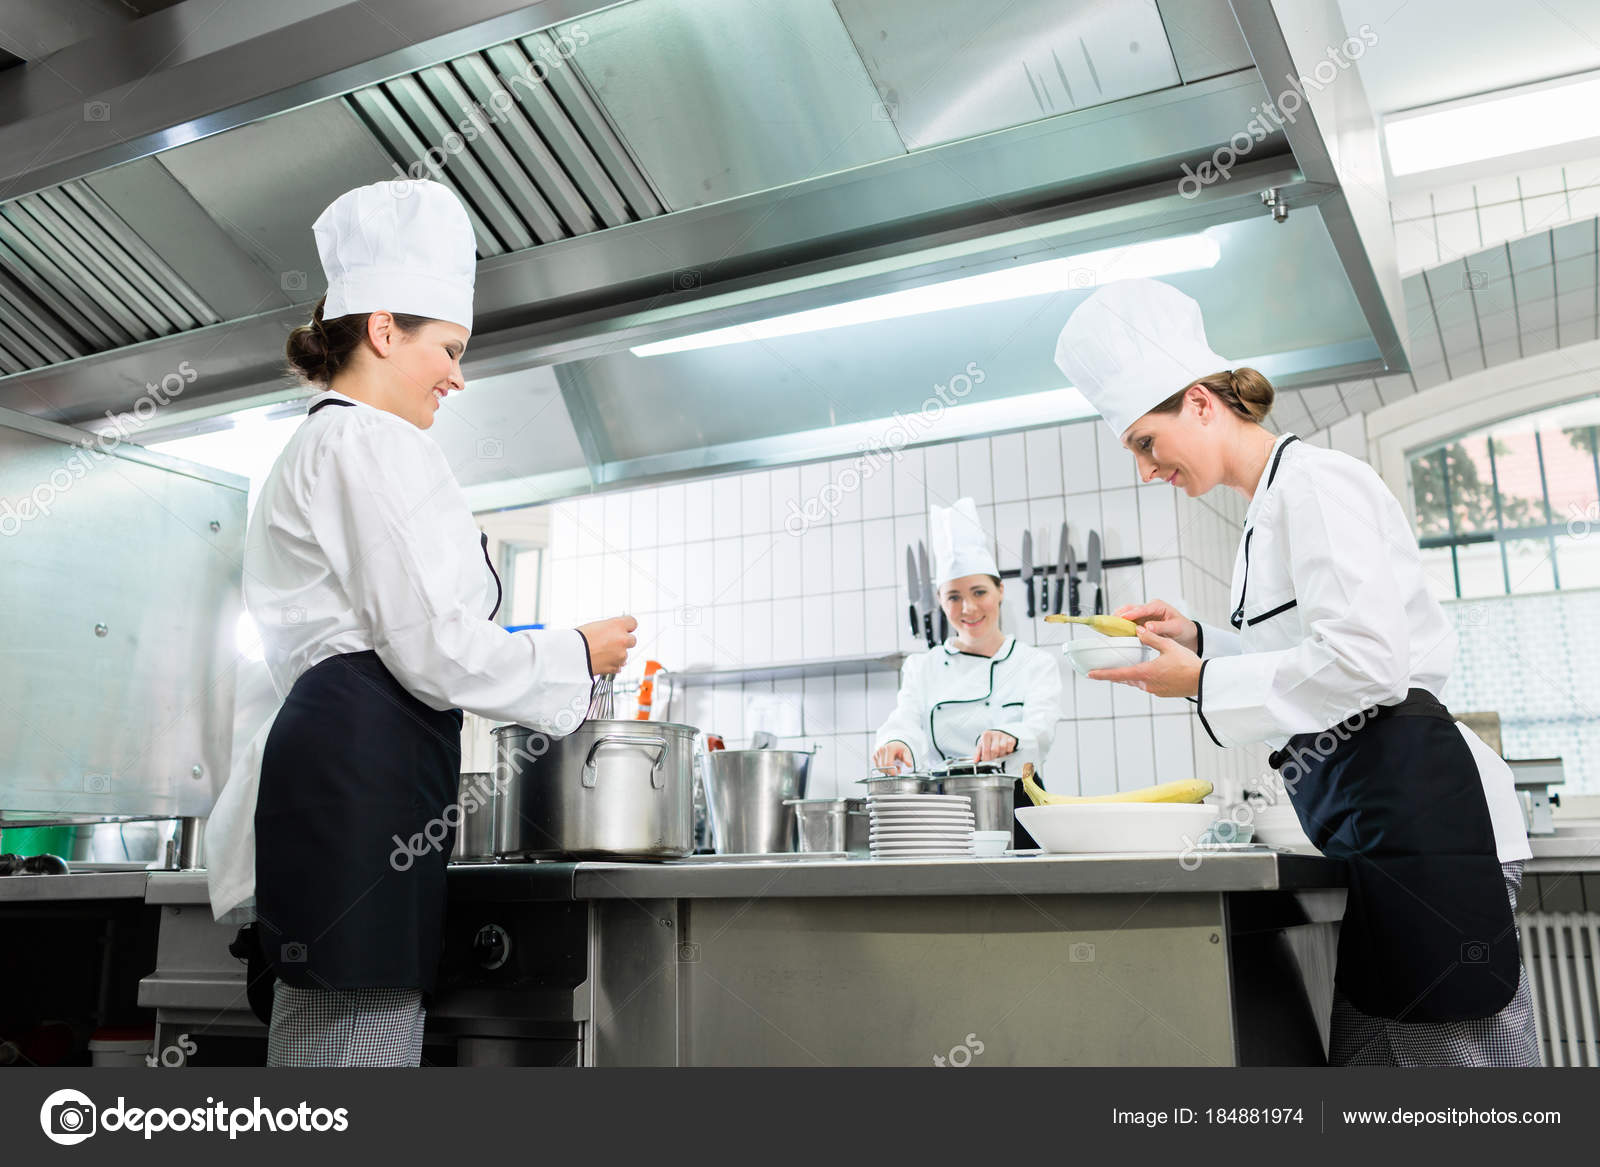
(982, 695)
(366, 576)
(1335, 656)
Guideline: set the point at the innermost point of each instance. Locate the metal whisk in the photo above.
(601, 706)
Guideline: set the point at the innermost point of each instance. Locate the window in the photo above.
(1513, 508)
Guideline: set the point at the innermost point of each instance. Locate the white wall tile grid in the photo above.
(723, 572)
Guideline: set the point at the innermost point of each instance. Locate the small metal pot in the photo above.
(908, 782)
(747, 795)
(617, 789)
(832, 824)
(992, 797)
(475, 832)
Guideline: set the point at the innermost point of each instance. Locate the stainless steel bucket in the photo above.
(475, 831)
(746, 793)
(992, 795)
(612, 788)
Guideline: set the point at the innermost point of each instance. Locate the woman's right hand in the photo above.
(893, 756)
(1164, 620)
(609, 642)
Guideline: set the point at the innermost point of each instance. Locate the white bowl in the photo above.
(991, 842)
(1104, 652)
(1117, 826)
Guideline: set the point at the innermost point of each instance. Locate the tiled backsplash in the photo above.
(779, 565)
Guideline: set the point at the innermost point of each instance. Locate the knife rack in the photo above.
(1052, 570)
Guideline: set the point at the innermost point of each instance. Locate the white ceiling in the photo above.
(1437, 50)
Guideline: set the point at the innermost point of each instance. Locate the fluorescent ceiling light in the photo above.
(1069, 274)
(1514, 121)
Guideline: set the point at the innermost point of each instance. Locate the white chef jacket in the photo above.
(1337, 618)
(361, 539)
(949, 698)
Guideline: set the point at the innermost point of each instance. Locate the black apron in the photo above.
(352, 836)
(1394, 791)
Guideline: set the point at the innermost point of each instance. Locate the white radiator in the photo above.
(1562, 954)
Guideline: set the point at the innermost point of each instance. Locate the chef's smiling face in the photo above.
(425, 366)
(972, 605)
(1175, 448)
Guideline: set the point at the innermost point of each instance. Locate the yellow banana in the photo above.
(1105, 625)
(1185, 790)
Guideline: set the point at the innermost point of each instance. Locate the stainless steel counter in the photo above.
(79, 885)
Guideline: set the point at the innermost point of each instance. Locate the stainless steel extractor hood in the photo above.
(652, 169)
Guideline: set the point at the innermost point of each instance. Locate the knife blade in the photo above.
(1061, 570)
(1073, 608)
(1027, 568)
(927, 593)
(1094, 573)
(912, 589)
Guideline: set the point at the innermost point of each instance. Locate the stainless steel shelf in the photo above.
(830, 667)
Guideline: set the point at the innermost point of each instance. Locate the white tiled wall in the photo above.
(723, 572)
(1435, 226)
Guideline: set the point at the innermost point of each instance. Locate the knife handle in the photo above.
(927, 629)
(913, 610)
(1100, 599)
(944, 627)
(1030, 596)
(1073, 608)
(1061, 587)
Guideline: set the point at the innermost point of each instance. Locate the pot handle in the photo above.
(657, 779)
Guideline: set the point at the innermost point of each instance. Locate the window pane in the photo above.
(1578, 557)
(1516, 462)
(1481, 573)
(1439, 571)
(1427, 489)
(1471, 486)
(1532, 569)
(1569, 470)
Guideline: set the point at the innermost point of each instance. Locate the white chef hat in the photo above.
(1132, 345)
(398, 247)
(960, 545)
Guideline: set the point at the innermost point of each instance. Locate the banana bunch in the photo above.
(1186, 790)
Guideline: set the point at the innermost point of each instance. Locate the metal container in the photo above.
(832, 824)
(614, 789)
(477, 799)
(746, 795)
(992, 795)
(911, 782)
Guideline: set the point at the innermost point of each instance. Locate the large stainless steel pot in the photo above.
(612, 788)
(992, 796)
(478, 801)
(745, 794)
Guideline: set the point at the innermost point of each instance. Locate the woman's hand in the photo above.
(609, 642)
(995, 743)
(893, 757)
(1163, 619)
(1175, 673)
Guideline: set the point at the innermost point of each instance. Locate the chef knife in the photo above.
(1027, 567)
(1072, 582)
(1094, 573)
(911, 587)
(927, 592)
(1061, 570)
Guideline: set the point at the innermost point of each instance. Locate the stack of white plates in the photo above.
(914, 826)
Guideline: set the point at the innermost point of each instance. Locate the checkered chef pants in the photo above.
(345, 1027)
(1506, 1039)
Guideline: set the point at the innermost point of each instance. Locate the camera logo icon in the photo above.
(67, 1117)
(293, 952)
(1475, 952)
(490, 449)
(96, 111)
(683, 281)
(293, 281)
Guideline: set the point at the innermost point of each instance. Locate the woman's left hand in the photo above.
(1175, 673)
(995, 743)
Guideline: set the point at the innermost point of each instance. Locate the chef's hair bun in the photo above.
(1249, 392)
(319, 350)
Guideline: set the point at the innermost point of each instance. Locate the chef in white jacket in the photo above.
(982, 695)
(1333, 655)
(369, 583)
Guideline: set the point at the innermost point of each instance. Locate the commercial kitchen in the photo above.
(763, 367)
